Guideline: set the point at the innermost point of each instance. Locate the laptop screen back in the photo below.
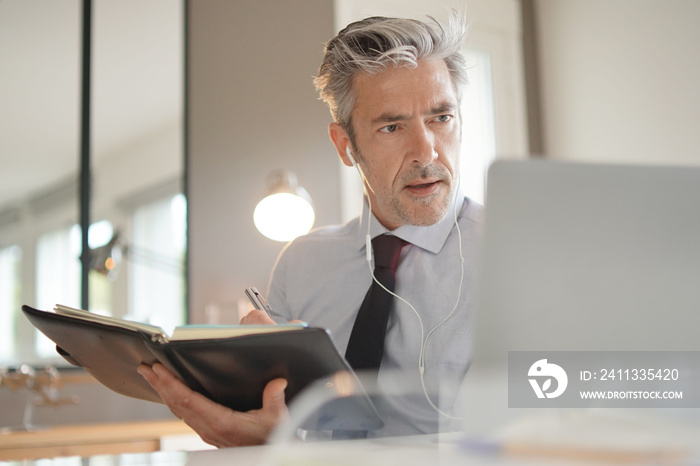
(581, 257)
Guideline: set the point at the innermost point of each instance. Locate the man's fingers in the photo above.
(147, 373)
(215, 423)
(257, 317)
(163, 373)
(176, 395)
(273, 397)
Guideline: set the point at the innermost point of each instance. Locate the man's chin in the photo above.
(426, 210)
(424, 215)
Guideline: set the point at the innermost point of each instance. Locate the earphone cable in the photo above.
(423, 338)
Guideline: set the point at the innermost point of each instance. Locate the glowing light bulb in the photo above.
(283, 216)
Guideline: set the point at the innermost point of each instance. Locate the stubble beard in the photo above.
(423, 210)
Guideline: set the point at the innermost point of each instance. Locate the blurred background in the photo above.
(194, 104)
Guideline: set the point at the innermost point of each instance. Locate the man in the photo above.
(393, 87)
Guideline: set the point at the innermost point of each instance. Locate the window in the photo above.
(148, 269)
(10, 257)
(156, 263)
(100, 281)
(478, 126)
(57, 277)
(136, 147)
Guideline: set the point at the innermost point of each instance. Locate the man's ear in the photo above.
(341, 141)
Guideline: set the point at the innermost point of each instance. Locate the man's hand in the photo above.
(217, 424)
(257, 317)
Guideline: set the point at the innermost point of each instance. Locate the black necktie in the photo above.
(366, 344)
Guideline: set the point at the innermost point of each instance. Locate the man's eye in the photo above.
(389, 128)
(443, 118)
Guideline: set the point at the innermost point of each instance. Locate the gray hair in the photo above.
(373, 44)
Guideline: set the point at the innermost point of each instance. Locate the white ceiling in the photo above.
(137, 78)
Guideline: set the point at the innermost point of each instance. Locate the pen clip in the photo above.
(257, 299)
(263, 301)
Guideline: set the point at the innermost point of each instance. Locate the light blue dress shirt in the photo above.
(322, 278)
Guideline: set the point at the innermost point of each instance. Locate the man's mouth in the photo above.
(423, 188)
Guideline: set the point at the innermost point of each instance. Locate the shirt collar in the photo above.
(431, 238)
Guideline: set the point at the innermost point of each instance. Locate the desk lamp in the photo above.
(286, 211)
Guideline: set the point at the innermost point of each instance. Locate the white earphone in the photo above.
(424, 338)
(352, 157)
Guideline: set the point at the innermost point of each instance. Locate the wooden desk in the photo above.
(89, 439)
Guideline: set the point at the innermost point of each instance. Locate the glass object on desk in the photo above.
(347, 405)
(468, 419)
(386, 421)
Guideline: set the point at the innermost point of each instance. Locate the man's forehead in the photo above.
(400, 88)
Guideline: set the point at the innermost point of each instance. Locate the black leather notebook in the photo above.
(231, 370)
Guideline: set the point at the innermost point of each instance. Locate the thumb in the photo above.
(273, 396)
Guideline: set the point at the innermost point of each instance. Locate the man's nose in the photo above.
(422, 147)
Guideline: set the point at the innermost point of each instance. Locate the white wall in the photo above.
(252, 109)
(619, 80)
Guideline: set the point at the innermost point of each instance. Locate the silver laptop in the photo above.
(581, 257)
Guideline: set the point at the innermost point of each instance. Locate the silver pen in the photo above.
(259, 302)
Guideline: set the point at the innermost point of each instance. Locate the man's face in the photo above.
(407, 138)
